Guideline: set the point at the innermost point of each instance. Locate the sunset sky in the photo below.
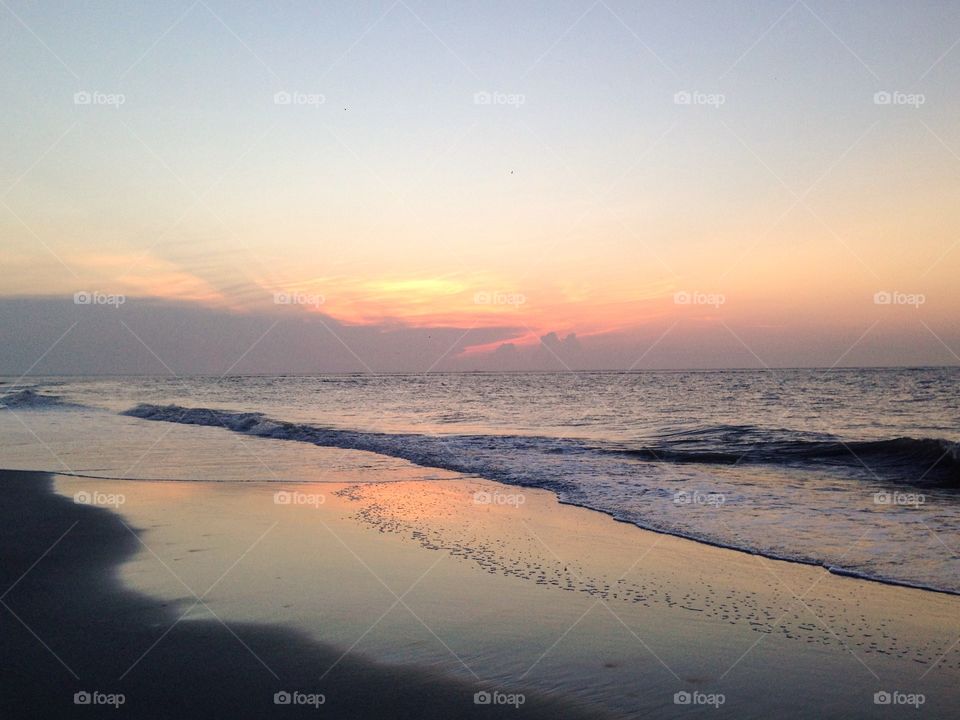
(435, 185)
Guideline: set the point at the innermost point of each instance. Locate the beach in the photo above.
(79, 642)
(432, 360)
(405, 598)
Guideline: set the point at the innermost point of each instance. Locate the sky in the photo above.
(417, 186)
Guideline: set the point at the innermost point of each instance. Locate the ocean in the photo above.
(857, 470)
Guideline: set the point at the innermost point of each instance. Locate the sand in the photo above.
(72, 630)
(408, 597)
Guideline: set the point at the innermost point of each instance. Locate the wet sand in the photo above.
(70, 625)
(467, 584)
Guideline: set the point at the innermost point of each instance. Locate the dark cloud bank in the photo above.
(157, 337)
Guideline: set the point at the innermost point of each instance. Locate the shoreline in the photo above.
(286, 431)
(71, 625)
(610, 618)
(832, 569)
